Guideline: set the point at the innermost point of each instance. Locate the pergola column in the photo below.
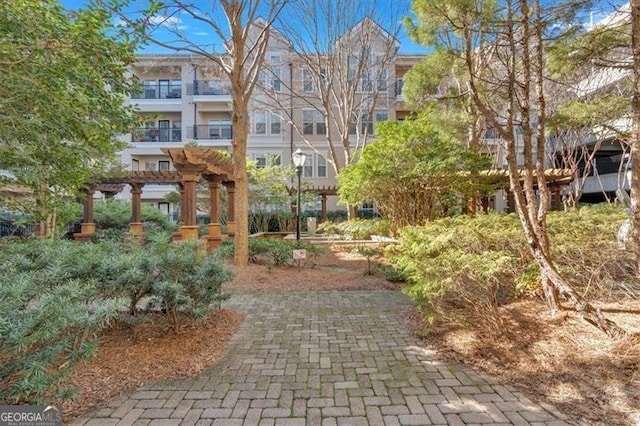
(88, 226)
(181, 218)
(135, 227)
(231, 208)
(323, 200)
(214, 208)
(556, 199)
(511, 202)
(189, 198)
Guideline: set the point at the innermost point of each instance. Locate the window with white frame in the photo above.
(276, 124)
(382, 81)
(307, 168)
(150, 166)
(321, 169)
(307, 80)
(267, 160)
(313, 122)
(321, 126)
(260, 123)
(276, 83)
(366, 83)
(367, 122)
(266, 123)
(315, 166)
(307, 121)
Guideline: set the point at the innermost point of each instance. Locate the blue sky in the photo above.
(203, 34)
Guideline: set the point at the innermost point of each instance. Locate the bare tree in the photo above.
(342, 74)
(243, 27)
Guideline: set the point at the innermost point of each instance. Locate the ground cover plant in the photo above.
(58, 295)
(275, 251)
(468, 265)
(480, 302)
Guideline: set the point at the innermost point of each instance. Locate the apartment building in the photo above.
(185, 99)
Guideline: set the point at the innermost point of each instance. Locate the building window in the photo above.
(366, 85)
(163, 165)
(150, 166)
(321, 126)
(260, 121)
(321, 170)
(307, 80)
(163, 207)
(307, 121)
(276, 84)
(313, 120)
(135, 165)
(307, 168)
(381, 115)
(382, 81)
(262, 78)
(267, 160)
(399, 85)
(276, 124)
(219, 129)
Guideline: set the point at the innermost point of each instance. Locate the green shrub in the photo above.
(464, 264)
(56, 295)
(277, 251)
(357, 229)
(117, 214)
(50, 311)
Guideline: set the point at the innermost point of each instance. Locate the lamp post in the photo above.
(299, 158)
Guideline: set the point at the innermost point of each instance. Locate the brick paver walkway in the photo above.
(326, 358)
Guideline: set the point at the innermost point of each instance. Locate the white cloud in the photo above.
(201, 33)
(166, 21)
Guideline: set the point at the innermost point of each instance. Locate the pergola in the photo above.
(192, 165)
(556, 180)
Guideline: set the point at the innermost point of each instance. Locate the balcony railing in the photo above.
(204, 131)
(208, 88)
(156, 134)
(154, 91)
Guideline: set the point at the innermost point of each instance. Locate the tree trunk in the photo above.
(634, 141)
(240, 130)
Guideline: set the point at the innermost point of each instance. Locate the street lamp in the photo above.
(299, 158)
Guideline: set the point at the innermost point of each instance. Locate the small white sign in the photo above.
(299, 254)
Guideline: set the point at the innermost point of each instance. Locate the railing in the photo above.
(204, 131)
(11, 229)
(208, 88)
(156, 134)
(162, 91)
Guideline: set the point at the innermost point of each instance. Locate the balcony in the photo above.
(156, 134)
(204, 131)
(162, 91)
(208, 88)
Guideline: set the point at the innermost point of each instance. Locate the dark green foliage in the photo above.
(56, 295)
(117, 214)
(49, 315)
(357, 229)
(277, 251)
(464, 265)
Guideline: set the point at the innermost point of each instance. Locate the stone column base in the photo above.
(87, 228)
(212, 242)
(231, 228)
(82, 237)
(135, 228)
(189, 232)
(215, 230)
